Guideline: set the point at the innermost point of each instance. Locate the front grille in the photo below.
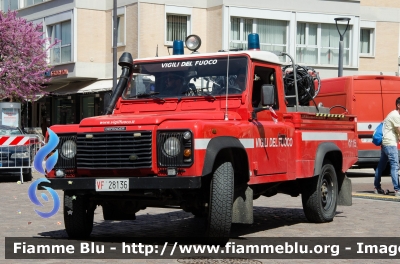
(63, 162)
(114, 150)
(165, 160)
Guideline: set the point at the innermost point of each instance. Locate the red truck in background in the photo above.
(370, 98)
(204, 144)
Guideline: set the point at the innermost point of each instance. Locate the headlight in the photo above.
(172, 147)
(193, 42)
(187, 135)
(20, 155)
(68, 149)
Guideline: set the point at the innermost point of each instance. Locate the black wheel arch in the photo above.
(230, 148)
(331, 152)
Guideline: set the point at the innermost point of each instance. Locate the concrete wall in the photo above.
(381, 3)
(152, 26)
(200, 28)
(343, 7)
(131, 30)
(386, 14)
(145, 28)
(151, 30)
(386, 51)
(214, 28)
(93, 39)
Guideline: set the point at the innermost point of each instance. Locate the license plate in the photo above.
(112, 185)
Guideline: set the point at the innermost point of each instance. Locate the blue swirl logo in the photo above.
(32, 196)
(46, 150)
(50, 163)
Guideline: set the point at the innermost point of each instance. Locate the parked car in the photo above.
(15, 157)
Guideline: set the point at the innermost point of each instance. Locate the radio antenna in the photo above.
(157, 51)
(227, 74)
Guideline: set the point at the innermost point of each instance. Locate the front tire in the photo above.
(221, 200)
(78, 216)
(319, 198)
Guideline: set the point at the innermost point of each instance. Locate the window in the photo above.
(9, 5)
(38, 22)
(32, 2)
(366, 40)
(272, 33)
(87, 106)
(306, 39)
(64, 110)
(121, 30)
(266, 76)
(61, 52)
(319, 44)
(120, 27)
(177, 27)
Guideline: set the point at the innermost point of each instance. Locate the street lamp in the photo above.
(341, 19)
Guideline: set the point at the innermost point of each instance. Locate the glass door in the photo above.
(87, 106)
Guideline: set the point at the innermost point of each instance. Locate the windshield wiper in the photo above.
(152, 95)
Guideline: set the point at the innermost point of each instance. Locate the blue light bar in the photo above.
(177, 48)
(253, 41)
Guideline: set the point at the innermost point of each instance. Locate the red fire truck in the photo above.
(208, 133)
(370, 98)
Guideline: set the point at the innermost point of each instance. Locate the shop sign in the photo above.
(56, 73)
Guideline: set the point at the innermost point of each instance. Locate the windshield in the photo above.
(201, 77)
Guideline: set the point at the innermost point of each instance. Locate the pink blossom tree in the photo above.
(23, 54)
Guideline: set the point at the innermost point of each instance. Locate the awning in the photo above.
(36, 97)
(85, 87)
(98, 86)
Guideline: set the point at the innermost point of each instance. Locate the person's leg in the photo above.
(393, 157)
(381, 166)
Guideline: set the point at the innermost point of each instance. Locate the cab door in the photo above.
(270, 132)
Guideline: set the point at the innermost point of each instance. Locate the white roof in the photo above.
(84, 87)
(98, 86)
(254, 54)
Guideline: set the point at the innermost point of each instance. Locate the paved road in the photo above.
(278, 216)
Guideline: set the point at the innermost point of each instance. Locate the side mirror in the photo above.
(267, 94)
(267, 99)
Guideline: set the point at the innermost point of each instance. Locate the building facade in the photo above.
(82, 62)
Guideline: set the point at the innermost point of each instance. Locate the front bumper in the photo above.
(135, 183)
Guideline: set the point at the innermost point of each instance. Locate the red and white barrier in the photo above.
(14, 140)
(17, 153)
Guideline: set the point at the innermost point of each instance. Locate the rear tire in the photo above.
(78, 217)
(221, 200)
(319, 198)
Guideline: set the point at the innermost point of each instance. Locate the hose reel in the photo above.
(308, 84)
